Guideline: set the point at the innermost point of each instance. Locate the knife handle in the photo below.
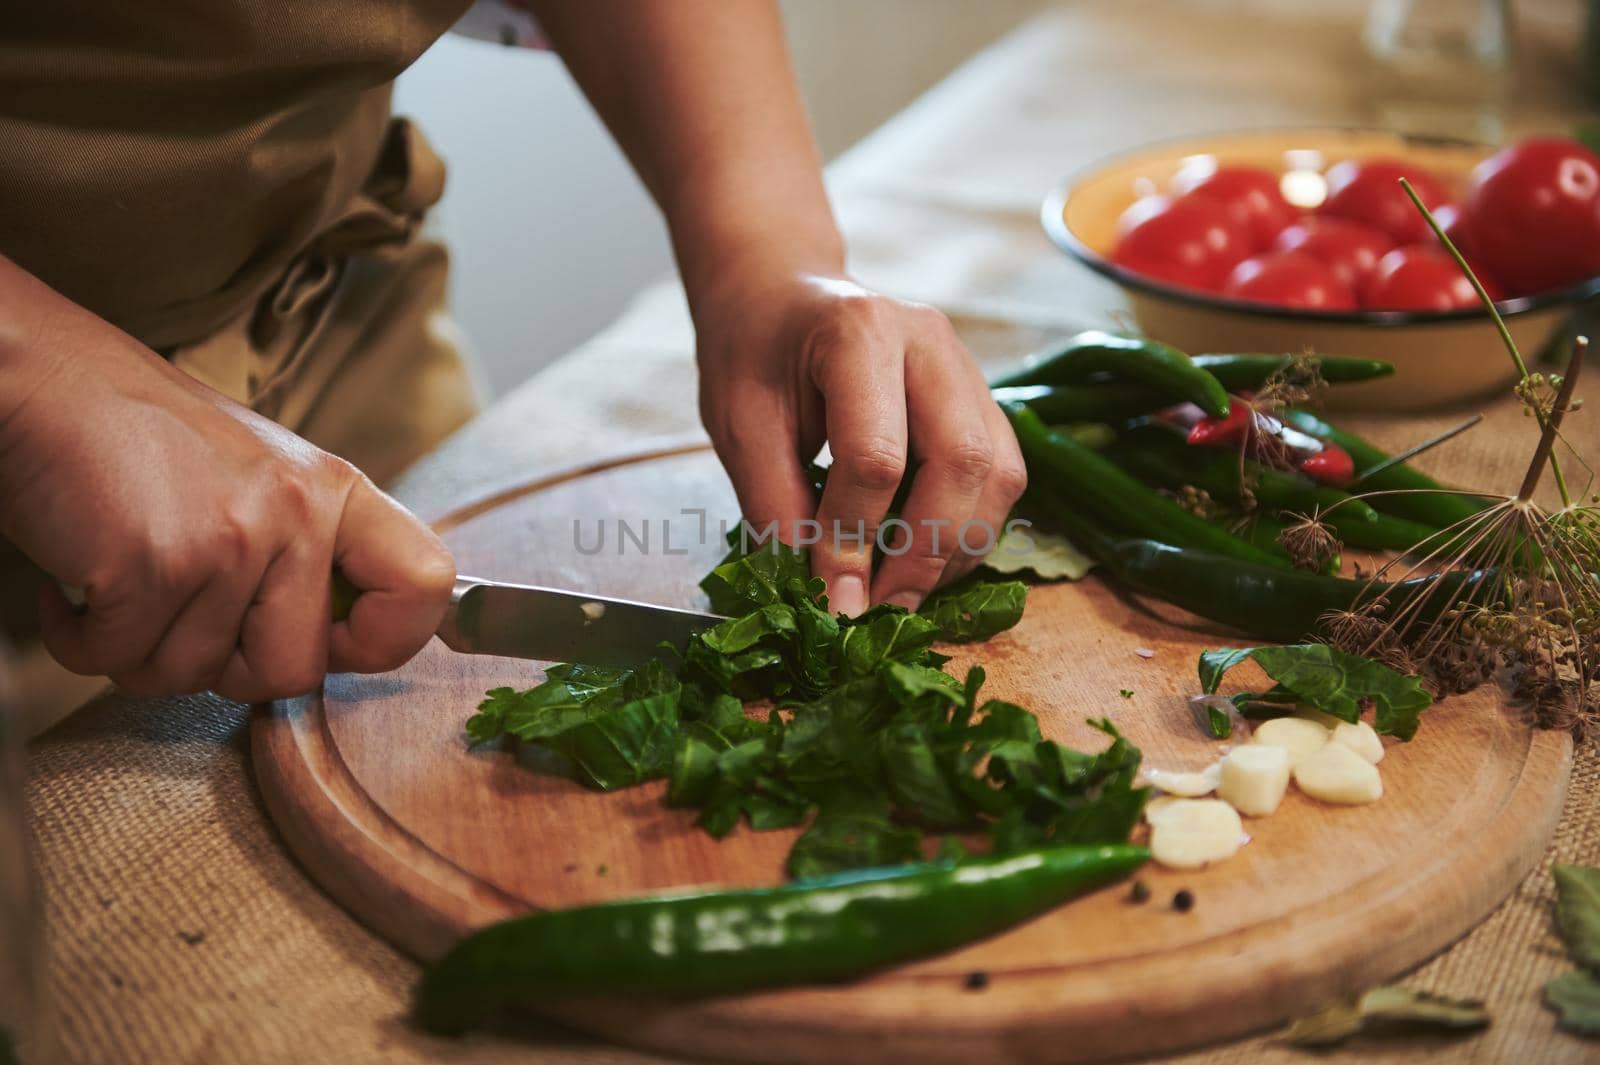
(343, 596)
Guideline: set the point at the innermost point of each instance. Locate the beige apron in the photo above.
(352, 346)
(242, 203)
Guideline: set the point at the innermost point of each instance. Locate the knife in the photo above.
(550, 624)
(555, 625)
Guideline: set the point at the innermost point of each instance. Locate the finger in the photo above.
(112, 631)
(283, 637)
(769, 480)
(192, 654)
(866, 422)
(950, 435)
(405, 575)
(1006, 482)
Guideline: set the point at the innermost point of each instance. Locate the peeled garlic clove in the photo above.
(1338, 774)
(1187, 785)
(1299, 737)
(1189, 833)
(1360, 738)
(1254, 778)
(1158, 806)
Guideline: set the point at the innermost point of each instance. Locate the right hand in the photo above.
(203, 536)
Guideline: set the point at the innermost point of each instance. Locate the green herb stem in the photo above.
(1499, 324)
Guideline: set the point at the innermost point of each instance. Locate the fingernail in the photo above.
(909, 600)
(847, 595)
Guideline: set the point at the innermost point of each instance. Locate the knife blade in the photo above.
(555, 625)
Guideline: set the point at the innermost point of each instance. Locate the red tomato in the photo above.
(1453, 221)
(1250, 194)
(1189, 242)
(1350, 249)
(1534, 214)
(1422, 277)
(1289, 279)
(1369, 192)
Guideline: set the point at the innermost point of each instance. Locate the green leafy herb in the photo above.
(1576, 996)
(1125, 693)
(973, 609)
(1388, 1008)
(1578, 912)
(1327, 679)
(617, 727)
(867, 737)
(744, 581)
(850, 832)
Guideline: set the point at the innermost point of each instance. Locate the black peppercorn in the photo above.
(976, 980)
(1140, 892)
(1183, 901)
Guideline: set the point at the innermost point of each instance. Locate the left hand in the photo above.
(790, 359)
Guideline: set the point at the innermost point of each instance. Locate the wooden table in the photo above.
(181, 930)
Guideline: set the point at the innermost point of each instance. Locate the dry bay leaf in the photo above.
(1391, 1006)
(1576, 996)
(1578, 912)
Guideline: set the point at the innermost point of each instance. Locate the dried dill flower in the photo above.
(1462, 665)
(1514, 584)
(1551, 702)
(1538, 393)
(1363, 632)
(1310, 542)
(1297, 383)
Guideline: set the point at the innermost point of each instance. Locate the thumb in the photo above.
(403, 575)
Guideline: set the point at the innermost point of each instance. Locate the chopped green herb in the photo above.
(1126, 694)
(870, 744)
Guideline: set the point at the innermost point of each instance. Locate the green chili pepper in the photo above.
(1117, 400)
(1240, 372)
(1150, 362)
(1084, 403)
(1268, 602)
(827, 929)
(1263, 531)
(1095, 483)
(1096, 436)
(1158, 453)
(1387, 532)
(1421, 498)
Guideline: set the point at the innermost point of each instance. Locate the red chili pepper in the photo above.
(1332, 465)
(1223, 432)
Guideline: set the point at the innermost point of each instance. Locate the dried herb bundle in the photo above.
(1531, 602)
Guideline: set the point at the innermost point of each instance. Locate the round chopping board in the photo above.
(375, 789)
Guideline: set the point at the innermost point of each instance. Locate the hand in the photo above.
(203, 535)
(790, 360)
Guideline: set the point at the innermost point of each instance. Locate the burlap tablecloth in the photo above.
(181, 929)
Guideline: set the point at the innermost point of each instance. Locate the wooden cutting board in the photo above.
(375, 790)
